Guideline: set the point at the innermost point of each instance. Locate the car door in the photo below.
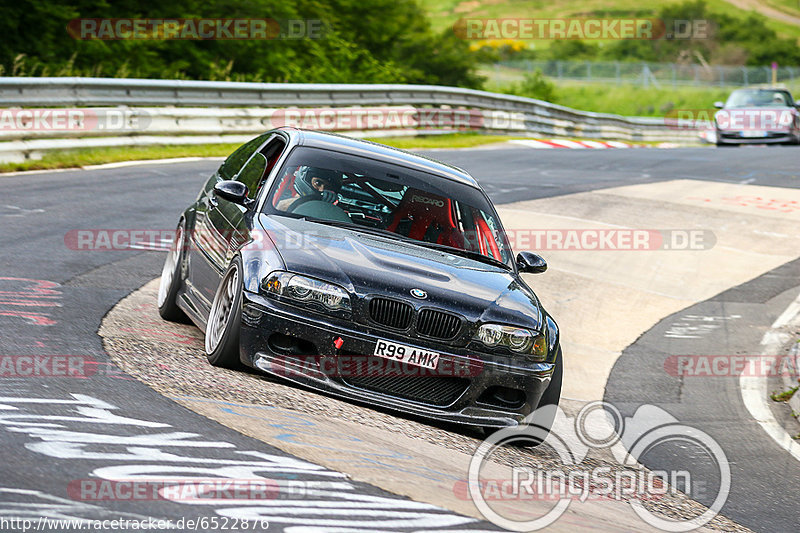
(215, 221)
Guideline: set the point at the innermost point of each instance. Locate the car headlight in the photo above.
(518, 340)
(306, 290)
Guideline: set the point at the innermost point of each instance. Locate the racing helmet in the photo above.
(304, 175)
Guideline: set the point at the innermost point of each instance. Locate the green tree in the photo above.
(379, 42)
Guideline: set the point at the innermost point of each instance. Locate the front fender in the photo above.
(260, 256)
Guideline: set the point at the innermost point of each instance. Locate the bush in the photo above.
(534, 85)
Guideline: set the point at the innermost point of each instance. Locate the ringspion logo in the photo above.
(598, 425)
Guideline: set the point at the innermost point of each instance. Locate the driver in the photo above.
(320, 182)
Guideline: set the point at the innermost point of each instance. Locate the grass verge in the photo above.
(623, 99)
(97, 156)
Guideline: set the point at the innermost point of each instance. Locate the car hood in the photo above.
(368, 264)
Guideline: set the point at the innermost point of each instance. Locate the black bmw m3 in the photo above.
(365, 272)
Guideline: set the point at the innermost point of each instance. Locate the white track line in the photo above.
(754, 387)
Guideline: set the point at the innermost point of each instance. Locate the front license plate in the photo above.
(754, 133)
(406, 354)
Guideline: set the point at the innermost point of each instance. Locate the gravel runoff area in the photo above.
(170, 358)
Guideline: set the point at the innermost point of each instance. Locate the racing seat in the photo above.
(427, 217)
(286, 185)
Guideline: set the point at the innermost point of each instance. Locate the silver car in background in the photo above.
(757, 116)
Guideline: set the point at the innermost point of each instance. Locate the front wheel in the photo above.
(552, 395)
(224, 320)
(545, 413)
(171, 279)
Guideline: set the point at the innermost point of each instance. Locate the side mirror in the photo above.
(531, 263)
(231, 190)
(719, 105)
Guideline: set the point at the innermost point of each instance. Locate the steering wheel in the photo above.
(303, 200)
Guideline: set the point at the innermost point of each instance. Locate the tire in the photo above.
(552, 394)
(171, 279)
(224, 320)
(543, 419)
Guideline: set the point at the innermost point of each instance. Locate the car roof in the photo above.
(333, 141)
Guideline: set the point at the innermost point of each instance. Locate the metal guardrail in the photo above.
(178, 111)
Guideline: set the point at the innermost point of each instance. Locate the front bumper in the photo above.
(466, 388)
(770, 137)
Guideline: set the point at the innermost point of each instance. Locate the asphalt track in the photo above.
(54, 299)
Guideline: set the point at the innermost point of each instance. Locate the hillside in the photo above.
(781, 15)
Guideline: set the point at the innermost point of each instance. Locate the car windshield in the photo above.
(334, 187)
(759, 98)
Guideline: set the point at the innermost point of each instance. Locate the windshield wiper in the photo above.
(359, 227)
(466, 253)
(392, 235)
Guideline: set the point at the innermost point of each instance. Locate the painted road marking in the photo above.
(56, 427)
(754, 387)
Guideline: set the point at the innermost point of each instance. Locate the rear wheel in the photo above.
(171, 279)
(224, 320)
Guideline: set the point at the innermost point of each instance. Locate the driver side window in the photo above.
(271, 152)
(231, 166)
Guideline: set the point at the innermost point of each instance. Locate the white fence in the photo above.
(649, 74)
